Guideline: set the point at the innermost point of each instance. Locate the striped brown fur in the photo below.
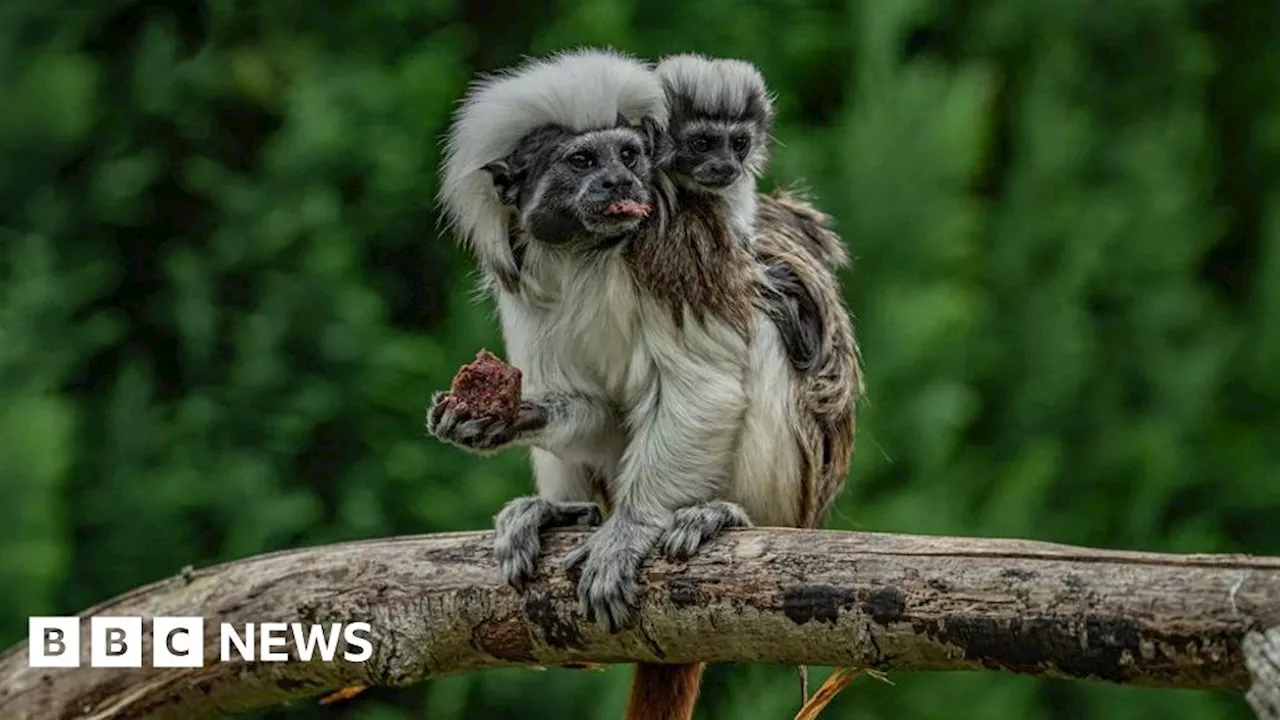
(692, 262)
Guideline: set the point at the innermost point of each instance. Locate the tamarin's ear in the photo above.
(506, 180)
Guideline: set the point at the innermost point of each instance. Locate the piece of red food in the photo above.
(486, 387)
(628, 207)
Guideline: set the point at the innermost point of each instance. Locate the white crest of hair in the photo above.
(721, 86)
(581, 89)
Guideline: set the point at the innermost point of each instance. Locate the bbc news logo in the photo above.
(177, 642)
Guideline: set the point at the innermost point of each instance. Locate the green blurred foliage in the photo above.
(225, 301)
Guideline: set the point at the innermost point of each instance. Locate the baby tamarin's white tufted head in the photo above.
(721, 122)
(576, 90)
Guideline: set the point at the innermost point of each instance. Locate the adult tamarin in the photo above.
(642, 346)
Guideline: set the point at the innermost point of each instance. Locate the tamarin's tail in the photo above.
(664, 692)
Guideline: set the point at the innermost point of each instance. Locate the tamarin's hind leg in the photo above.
(695, 525)
(518, 531)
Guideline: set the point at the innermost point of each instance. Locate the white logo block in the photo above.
(115, 642)
(53, 642)
(177, 642)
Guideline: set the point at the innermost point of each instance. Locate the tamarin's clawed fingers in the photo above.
(483, 434)
(518, 532)
(694, 526)
(609, 560)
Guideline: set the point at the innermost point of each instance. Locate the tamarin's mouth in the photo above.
(717, 182)
(630, 208)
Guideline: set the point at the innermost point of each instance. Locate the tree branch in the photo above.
(437, 607)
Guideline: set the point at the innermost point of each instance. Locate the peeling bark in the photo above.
(784, 596)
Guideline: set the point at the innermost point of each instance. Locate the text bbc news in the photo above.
(54, 642)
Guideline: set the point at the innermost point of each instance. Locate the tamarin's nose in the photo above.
(719, 171)
(616, 181)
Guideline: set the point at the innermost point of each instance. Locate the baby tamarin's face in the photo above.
(721, 119)
(712, 154)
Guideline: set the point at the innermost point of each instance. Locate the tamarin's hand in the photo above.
(694, 526)
(482, 434)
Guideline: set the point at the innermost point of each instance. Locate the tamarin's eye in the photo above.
(741, 143)
(699, 144)
(628, 156)
(581, 161)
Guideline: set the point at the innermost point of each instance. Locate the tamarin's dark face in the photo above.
(712, 154)
(571, 187)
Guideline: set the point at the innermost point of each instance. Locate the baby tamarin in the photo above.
(720, 130)
(660, 353)
(719, 133)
